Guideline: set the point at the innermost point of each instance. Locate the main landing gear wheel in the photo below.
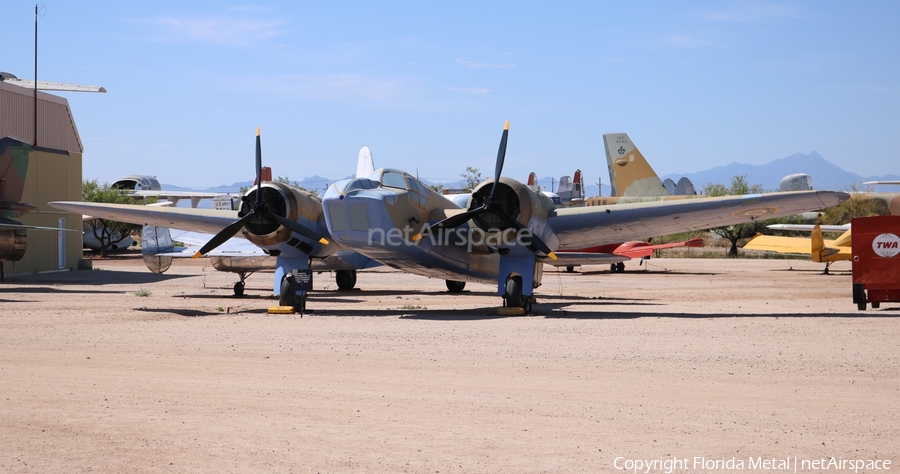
(617, 267)
(455, 286)
(289, 298)
(514, 292)
(239, 289)
(346, 279)
(570, 268)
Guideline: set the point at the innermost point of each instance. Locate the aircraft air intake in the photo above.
(280, 200)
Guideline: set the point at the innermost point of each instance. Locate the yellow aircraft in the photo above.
(816, 246)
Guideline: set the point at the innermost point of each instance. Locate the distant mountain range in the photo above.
(825, 176)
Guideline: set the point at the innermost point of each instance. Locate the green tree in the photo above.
(859, 205)
(108, 233)
(472, 177)
(734, 233)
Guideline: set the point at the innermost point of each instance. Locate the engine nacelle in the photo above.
(283, 200)
(13, 243)
(519, 202)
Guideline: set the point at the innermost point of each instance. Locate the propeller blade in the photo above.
(296, 227)
(501, 157)
(223, 235)
(534, 242)
(258, 169)
(451, 222)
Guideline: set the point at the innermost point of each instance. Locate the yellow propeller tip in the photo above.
(552, 255)
(323, 241)
(197, 255)
(257, 131)
(417, 237)
(506, 127)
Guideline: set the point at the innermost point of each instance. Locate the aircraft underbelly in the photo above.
(434, 264)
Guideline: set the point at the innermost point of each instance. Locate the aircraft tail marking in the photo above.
(629, 173)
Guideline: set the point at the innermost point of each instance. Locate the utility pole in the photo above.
(600, 186)
(551, 185)
(35, 73)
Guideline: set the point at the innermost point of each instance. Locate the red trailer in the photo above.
(876, 260)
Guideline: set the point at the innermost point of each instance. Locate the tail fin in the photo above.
(578, 191)
(533, 181)
(629, 173)
(366, 164)
(13, 168)
(818, 251)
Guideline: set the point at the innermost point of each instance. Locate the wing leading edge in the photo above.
(197, 220)
(597, 225)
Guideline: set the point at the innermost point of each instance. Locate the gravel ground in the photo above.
(698, 359)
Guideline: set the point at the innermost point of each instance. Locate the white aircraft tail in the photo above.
(629, 173)
(366, 164)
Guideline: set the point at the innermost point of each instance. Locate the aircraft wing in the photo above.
(10, 224)
(197, 220)
(779, 244)
(565, 259)
(596, 225)
(809, 227)
(235, 246)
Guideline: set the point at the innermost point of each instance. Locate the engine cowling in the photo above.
(519, 202)
(13, 243)
(286, 201)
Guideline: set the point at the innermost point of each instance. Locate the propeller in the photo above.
(259, 210)
(491, 204)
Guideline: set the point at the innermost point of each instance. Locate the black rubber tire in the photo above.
(239, 289)
(346, 279)
(612, 268)
(454, 286)
(620, 267)
(514, 292)
(859, 296)
(287, 296)
(570, 268)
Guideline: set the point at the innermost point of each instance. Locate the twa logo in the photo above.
(886, 245)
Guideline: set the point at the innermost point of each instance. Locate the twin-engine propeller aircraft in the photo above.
(285, 222)
(507, 230)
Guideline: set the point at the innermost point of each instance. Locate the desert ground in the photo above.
(116, 369)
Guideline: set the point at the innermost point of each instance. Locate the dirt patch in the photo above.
(119, 370)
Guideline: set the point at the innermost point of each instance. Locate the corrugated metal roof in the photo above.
(56, 126)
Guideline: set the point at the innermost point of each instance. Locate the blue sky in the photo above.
(429, 85)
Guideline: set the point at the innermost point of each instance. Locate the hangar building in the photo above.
(36, 173)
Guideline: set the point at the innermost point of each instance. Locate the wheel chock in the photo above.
(281, 310)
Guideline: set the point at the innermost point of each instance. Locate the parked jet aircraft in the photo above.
(502, 236)
(816, 246)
